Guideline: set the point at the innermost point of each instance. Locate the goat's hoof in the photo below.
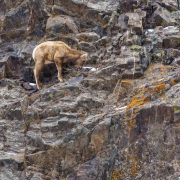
(61, 80)
(39, 86)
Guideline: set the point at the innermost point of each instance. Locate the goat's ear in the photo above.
(84, 56)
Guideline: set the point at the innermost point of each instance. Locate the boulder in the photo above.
(170, 5)
(61, 24)
(135, 22)
(162, 17)
(87, 47)
(14, 66)
(88, 37)
(128, 5)
(77, 7)
(2, 72)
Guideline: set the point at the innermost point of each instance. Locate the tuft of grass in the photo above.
(135, 48)
(51, 96)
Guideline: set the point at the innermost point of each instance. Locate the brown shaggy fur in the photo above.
(56, 52)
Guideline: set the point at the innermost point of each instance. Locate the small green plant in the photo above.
(105, 26)
(160, 92)
(135, 47)
(115, 12)
(51, 96)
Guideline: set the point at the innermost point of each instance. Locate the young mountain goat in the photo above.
(55, 52)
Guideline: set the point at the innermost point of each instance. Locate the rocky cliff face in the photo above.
(116, 119)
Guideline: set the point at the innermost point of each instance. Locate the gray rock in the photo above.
(2, 72)
(87, 47)
(162, 17)
(135, 22)
(120, 121)
(61, 24)
(88, 37)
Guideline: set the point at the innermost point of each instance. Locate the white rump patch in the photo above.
(33, 54)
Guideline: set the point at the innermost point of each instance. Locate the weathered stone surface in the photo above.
(162, 17)
(2, 72)
(85, 46)
(75, 5)
(135, 22)
(14, 66)
(16, 18)
(129, 5)
(88, 37)
(116, 118)
(22, 20)
(171, 5)
(61, 24)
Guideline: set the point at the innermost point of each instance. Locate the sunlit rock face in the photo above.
(115, 118)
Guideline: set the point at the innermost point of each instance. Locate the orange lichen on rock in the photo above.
(116, 176)
(142, 97)
(159, 87)
(138, 100)
(67, 93)
(134, 167)
(132, 123)
(173, 82)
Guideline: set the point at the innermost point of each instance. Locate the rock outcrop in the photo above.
(115, 119)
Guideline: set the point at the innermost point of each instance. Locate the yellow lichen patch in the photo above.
(67, 93)
(116, 176)
(136, 111)
(176, 110)
(142, 97)
(132, 123)
(138, 100)
(23, 127)
(134, 165)
(163, 96)
(126, 80)
(51, 96)
(32, 122)
(105, 26)
(163, 73)
(81, 115)
(156, 71)
(135, 48)
(159, 87)
(173, 82)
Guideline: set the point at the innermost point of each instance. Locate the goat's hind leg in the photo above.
(37, 71)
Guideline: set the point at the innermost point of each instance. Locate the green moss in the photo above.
(51, 96)
(111, 19)
(115, 12)
(135, 47)
(160, 92)
(176, 110)
(105, 26)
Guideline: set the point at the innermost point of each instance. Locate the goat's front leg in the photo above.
(58, 63)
